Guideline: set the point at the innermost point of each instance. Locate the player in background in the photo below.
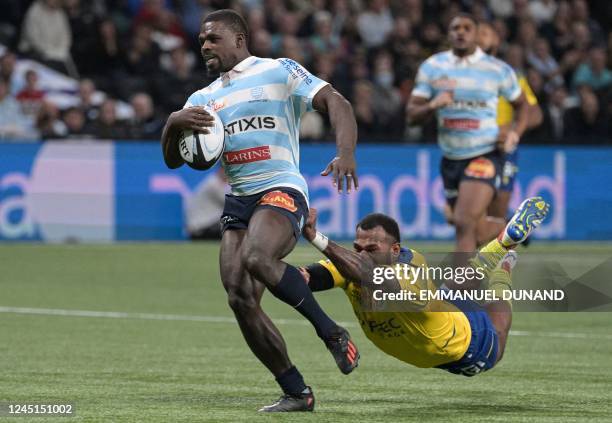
(260, 102)
(461, 87)
(489, 227)
(462, 337)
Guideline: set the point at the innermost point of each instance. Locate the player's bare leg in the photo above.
(495, 220)
(500, 312)
(269, 239)
(472, 202)
(244, 296)
(261, 335)
(498, 259)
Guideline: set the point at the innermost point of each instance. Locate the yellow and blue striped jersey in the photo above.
(436, 334)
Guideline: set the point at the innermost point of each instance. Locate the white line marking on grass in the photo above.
(231, 320)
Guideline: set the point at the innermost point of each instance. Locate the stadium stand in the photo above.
(146, 52)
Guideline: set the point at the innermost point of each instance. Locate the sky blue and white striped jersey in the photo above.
(468, 127)
(260, 102)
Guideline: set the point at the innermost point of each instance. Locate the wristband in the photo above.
(320, 241)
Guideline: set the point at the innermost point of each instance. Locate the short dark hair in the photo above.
(231, 18)
(465, 15)
(388, 224)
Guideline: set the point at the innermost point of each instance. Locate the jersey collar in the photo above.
(470, 60)
(242, 66)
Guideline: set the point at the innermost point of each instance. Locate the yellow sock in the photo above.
(489, 256)
(500, 281)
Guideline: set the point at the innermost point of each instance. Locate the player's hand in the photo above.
(511, 141)
(305, 273)
(195, 118)
(309, 231)
(444, 99)
(340, 168)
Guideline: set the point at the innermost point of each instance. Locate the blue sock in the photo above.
(291, 381)
(293, 290)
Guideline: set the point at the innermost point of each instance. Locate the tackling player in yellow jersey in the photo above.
(461, 337)
(489, 41)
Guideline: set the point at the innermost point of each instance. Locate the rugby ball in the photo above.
(201, 151)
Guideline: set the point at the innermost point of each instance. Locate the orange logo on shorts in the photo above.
(278, 199)
(480, 168)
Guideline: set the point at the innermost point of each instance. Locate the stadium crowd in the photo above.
(144, 53)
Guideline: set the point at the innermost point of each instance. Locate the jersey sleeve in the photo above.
(529, 95)
(422, 86)
(339, 280)
(510, 88)
(301, 84)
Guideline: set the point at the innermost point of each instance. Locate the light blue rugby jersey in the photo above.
(260, 102)
(468, 127)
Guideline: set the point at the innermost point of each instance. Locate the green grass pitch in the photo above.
(171, 351)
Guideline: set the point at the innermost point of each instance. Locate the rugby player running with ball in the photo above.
(260, 102)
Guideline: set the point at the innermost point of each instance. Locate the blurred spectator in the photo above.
(591, 126)
(527, 33)
(82, 22)
(577, 49)
(431, 38)
(204, 208)
(540, 58)
(13, 123)
(580, 13)
(375, 23)
(7, 71)
(312, 126)
(288, 27)
(142, 57)
(31, 96)
(386, 99)
(501, 8)
(256, 19)
(594, 73)
(172, 87)
(87, 100)
(261, 43)
(107, 126)
(323, 40)
(108, 63)
(74, 120)
(515, 57)
(191, 14)
(364, 110)
(145, 125)
(46, 35)
(49, 123)
(400, 37)
(292, 49)
(542, 11)
(154, 14)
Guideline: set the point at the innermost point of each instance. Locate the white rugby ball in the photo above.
(201, 151)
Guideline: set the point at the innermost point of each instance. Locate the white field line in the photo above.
(231, 320)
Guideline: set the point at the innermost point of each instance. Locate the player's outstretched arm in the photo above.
(195, 118)
(353, 266)
(342, 119)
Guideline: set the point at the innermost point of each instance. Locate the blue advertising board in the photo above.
(103, 192)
